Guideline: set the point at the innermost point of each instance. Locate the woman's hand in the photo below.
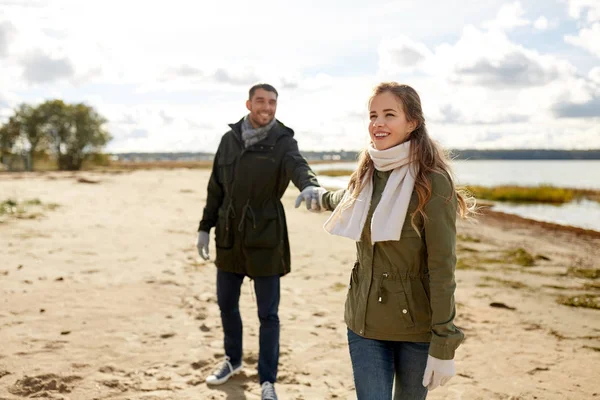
(437, 372)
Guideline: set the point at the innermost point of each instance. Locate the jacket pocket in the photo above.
(226, 166)
(223, 231)
(388, 306)
(261, 230)
(420, 305)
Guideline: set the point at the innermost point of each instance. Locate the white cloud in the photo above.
(41, 68)
(594, 75)
(541, 24)
(491, 59)
(584, 9)
(6, 32)
(588, 38)
(402, 54)
(508, 18)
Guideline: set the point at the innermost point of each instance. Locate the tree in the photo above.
(87, 136)
(31, 122)
(9, 136)
(70, 132)
(57, 127)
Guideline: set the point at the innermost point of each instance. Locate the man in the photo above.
(252, 168)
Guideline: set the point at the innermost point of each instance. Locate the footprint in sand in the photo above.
(49, 383)
(149, 380)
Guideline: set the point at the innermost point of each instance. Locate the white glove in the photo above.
(313, 196)
(437, 372)
(202, 244)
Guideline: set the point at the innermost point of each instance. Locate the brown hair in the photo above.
(425, 152)
(263, 86)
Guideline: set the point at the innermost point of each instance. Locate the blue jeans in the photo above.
(376, 363)
(267, 299)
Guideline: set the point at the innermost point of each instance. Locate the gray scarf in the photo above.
(251, 135)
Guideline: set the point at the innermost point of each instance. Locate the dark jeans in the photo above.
(267, 300)
(377, 362)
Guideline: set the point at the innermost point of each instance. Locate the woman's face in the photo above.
(389, 126)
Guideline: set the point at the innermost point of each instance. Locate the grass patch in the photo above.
(8, 207)
(334, 172)
(339, 286)
(468, 238)
(28, 209)
(521, 194)
(584, 301)
(520, 256)
(505, 282)
(466, 264)
(587, 273)
(591, 286)
(533, 194)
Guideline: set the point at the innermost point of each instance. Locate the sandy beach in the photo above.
(103, 296)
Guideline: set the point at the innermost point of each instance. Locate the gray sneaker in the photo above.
(268, 391)
(222, 375)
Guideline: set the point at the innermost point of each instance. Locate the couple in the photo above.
(400, 208)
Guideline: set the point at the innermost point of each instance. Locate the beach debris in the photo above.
(501, 305)
(87, 180)
(538, 369)
(167, 335)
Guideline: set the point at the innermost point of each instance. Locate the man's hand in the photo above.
(202, 244)
(437, 372)
(313, 196)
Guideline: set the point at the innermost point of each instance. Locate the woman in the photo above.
(400, 208)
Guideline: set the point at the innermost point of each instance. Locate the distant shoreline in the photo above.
(519, 220)
(342, 155)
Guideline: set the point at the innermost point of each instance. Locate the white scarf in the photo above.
(390, 213)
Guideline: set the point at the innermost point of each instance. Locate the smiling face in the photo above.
(262, 107)
(389, 126)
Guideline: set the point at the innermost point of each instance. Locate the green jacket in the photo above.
(244, 201)
(404, 290)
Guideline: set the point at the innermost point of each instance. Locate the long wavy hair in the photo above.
(426, 153)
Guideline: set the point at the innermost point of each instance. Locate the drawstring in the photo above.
(380, 288)
(230, 213)
(247, 210)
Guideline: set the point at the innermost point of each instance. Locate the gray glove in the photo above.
(313, 196)
(202, 244)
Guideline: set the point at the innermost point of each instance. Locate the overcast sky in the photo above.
(170, 75)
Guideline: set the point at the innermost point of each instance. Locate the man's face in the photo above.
(262, 107)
